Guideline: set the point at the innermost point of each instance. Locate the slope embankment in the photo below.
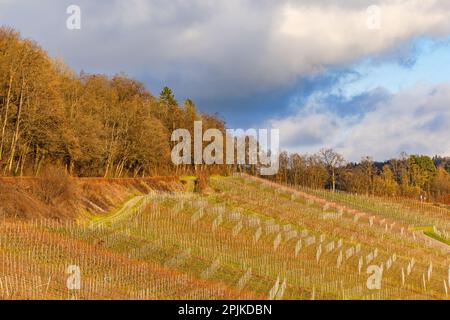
(63, 198)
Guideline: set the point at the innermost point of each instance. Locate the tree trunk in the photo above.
(333, 180)
(24, 159)
(5, 121)
(16, 133)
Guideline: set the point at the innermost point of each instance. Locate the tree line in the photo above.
(95, 125)
(91, 124)
(416, 176)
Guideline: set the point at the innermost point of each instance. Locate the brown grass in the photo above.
(56, 195)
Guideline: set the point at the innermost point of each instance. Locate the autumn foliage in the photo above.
(92, 125)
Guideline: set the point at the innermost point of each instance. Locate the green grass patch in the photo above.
(437, 237)
(189, 183)
(429, 232)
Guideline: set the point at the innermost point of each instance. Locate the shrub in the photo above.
(54, 185)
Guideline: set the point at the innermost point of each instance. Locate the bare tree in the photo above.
(333, 161)
(367, 166)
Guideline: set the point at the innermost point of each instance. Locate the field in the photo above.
(244, 238)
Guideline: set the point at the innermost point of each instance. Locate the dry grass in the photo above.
(55, 195)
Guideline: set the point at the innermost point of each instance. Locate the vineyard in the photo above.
(243, 238)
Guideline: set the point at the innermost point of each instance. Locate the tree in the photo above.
(283, 167)
(440, 185)
(316, 174)
(169, 112)
(333, 161)
(368, 169)
(298, 166)
(422, 170)
(385, 184)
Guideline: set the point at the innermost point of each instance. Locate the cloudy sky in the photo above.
(366, 77)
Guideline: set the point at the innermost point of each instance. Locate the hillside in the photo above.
(245, 238)
(60, 197)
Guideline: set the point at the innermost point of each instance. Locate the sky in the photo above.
(365, 77)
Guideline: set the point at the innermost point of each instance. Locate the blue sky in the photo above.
(317, 70)
(428, 61)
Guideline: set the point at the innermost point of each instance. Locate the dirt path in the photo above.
(433, 242)
(130, 207)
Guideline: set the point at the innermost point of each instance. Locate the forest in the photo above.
(95, 125)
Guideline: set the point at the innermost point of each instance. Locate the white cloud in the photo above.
(222, 50)
(322, 35)
(415, 120)
(311, 37)
(227, 47)
(261, 45)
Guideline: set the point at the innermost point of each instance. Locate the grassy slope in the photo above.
(240, 241)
